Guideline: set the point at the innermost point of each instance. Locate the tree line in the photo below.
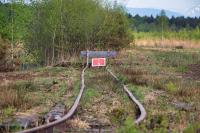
(151, 24)
(161, 27)
(49, 31)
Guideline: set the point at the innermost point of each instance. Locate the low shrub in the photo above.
(118, 115)
(128, 127)
(192, 128)
(171, 87)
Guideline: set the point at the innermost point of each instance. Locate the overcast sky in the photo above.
(186, 7)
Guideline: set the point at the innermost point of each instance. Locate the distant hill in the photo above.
(194, 11)
(151, 11)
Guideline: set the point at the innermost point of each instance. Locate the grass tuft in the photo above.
(15, 94)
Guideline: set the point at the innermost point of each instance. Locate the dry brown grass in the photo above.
(9, 97)
(14, 95)
(78, 123)
(168, 43)
(132, 75)
(188, 92)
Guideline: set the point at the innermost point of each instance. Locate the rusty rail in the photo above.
(140, 106)
(48, 128)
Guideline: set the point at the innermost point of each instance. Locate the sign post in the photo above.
(99, 57)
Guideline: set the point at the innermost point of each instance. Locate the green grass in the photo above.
(56, 97)
(75, 91)
(89, 95)
(154, 77)
(171, 87)
(192, 128)
(129, 127)
(177, 60)
(138, 91)
(9, 111)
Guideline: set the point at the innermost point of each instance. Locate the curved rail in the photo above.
(48, 128)
(140, 106)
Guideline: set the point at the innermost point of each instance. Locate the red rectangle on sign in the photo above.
(98, 62)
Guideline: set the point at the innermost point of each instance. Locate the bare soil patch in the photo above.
(22, 76)
(193, 71)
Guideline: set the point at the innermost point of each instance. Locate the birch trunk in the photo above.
(53, 49)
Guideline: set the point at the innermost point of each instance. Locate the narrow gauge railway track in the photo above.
(49, 128)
